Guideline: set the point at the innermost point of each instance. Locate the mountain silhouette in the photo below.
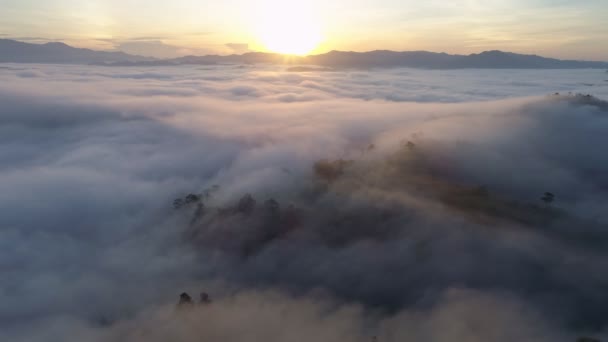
(432, 60)
(12, 51)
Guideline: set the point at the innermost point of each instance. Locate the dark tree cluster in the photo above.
(186, 302)
(330, 171)
(186, 201)
(406, 197)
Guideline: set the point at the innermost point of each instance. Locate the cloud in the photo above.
(238, 48)
(31, 39)
(401, 204)
(153, 48)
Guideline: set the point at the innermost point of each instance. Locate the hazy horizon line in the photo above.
(8, 38)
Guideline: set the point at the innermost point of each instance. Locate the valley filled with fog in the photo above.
(311, 204)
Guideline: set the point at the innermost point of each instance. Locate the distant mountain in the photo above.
(19, 52)
(247, 58)
(390, 59)
(431, 60)
(12, 51)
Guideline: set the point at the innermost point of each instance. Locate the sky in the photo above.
(555, 28)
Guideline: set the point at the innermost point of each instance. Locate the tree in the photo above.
(192, 198)
(246, 204)
(548, 198)
(205, 299)
(272, 206)
(185, 301)
(178, 203)
(330, 171)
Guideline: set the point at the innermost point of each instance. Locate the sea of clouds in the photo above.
(397, 205)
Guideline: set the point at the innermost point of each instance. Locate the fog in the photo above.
(397, 205)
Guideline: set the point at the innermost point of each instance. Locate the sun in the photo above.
(289, 37)
(286, 29)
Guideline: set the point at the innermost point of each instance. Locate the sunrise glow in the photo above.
(285, 27)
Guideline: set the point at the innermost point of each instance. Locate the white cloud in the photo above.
(401, 244)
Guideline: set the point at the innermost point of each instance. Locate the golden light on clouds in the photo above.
(287, 27)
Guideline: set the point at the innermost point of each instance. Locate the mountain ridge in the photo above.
(12, 51)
